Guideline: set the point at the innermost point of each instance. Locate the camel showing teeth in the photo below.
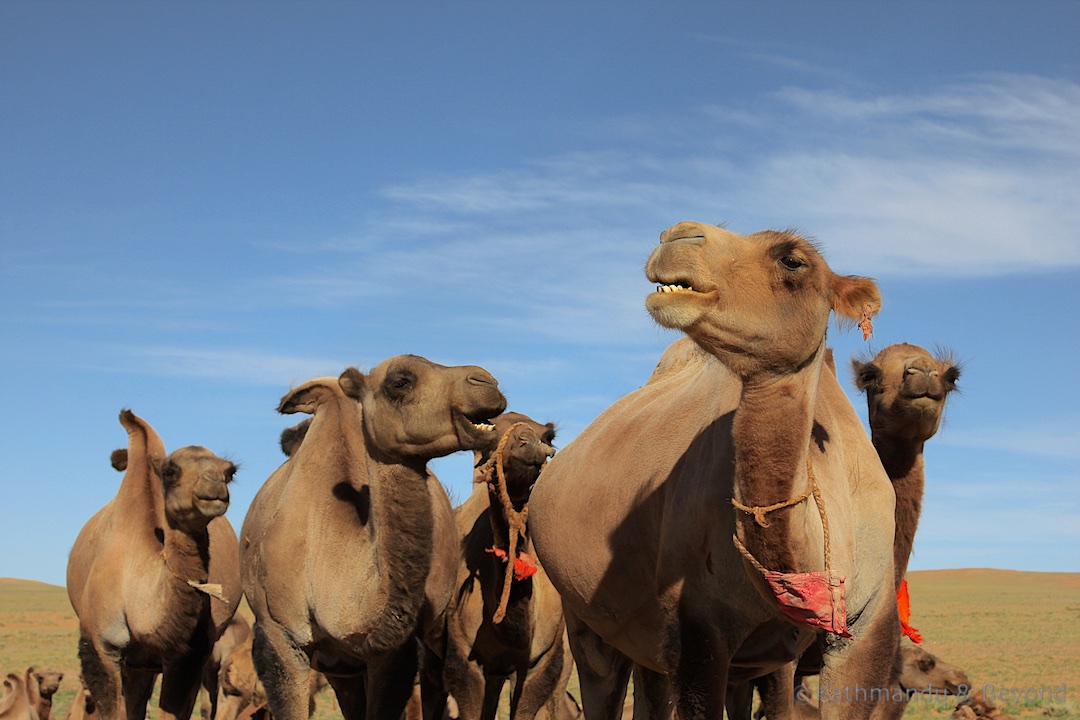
(484, 426)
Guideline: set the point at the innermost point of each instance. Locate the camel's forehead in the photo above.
(902, 353)
(411, 363)
(196, 455)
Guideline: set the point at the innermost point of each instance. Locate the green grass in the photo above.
(1017, 633)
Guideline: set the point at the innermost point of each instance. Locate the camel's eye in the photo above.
(791, 262)
(398, 383)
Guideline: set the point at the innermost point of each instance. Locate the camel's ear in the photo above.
(307, 397)
(866, 374)
(118, 459)
(352, 383)
(292, 437)
(851, 295)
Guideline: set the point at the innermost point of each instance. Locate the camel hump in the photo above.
(306, 398)
(143, 441)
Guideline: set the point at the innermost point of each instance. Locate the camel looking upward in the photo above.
(906, 388)
(151, 580)
(634, 520)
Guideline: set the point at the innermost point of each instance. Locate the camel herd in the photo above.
(727, 528)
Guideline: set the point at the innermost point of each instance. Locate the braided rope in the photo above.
(515, 520)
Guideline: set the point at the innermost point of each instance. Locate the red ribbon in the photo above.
(524, 565)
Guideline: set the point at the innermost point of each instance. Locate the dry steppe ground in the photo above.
(1017, 634)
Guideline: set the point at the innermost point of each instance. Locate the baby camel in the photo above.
(154, 577)
(506, 617)
(42, 685)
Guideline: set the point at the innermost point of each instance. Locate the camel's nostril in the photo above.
(482, 377)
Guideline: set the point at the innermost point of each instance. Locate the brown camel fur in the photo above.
(82, 705)
(484, 647)
(17, 701)
(634, 522)
(978, 707)
(42, 685)
(236, 632)
(153, 577)
(906, 388)
(921, 674)
(348, 554)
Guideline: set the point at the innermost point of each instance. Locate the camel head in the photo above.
(47, 679)
(930, 674)
(526, 450)
(906, 388)
(414, 408)
(977, 707)
(196, 483)
(760, 303)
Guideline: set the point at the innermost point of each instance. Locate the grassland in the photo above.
(1016, 634)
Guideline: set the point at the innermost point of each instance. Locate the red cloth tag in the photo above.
(903, 604)
(813, 598)
(524, 565)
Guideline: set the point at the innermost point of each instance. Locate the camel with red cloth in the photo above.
(711, 525)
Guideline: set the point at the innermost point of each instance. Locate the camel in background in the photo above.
(505, 618)
(153, 577)
(634, 521)
(42, 685)
(348, 549)
(17, 702)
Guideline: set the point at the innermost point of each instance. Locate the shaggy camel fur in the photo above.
(82, 706)
(153, 577)
(348, 551)
(906, 388)
(634, 521)
(42, 685)
(17, 701)
(503, 622)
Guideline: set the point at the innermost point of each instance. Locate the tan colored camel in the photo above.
(906, 388)
(236, 632)
(154, 577)
(502, 621)
(348, 549)
(82, 705)
(977, 707)
(16, 700)
(42, 685)
(634, 521)
(922, 674)
(234, 628)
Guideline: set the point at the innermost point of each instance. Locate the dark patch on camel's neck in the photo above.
(404, 528)
(359, 499)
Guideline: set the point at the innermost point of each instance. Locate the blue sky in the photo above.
(202, 204)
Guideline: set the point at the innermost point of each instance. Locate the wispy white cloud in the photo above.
(251, 367)
(1059, 440)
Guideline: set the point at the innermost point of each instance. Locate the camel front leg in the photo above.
(390, 682)
(100, 666)
(283, 669)
(138, 687)
(603, 671)
(180, 682)
(652, 695)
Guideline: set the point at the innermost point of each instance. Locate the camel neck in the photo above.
(771, 430)
(903, 462)
(187, 555)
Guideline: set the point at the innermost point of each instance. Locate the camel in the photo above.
(153, 577)
(236, 632)
(977, 707)
(921, 674)
(235, 627)
(906, 388)
(82, 705)
(17, 701)
(42, 685)
(633, 520)
(348, 554)
(506, 618)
